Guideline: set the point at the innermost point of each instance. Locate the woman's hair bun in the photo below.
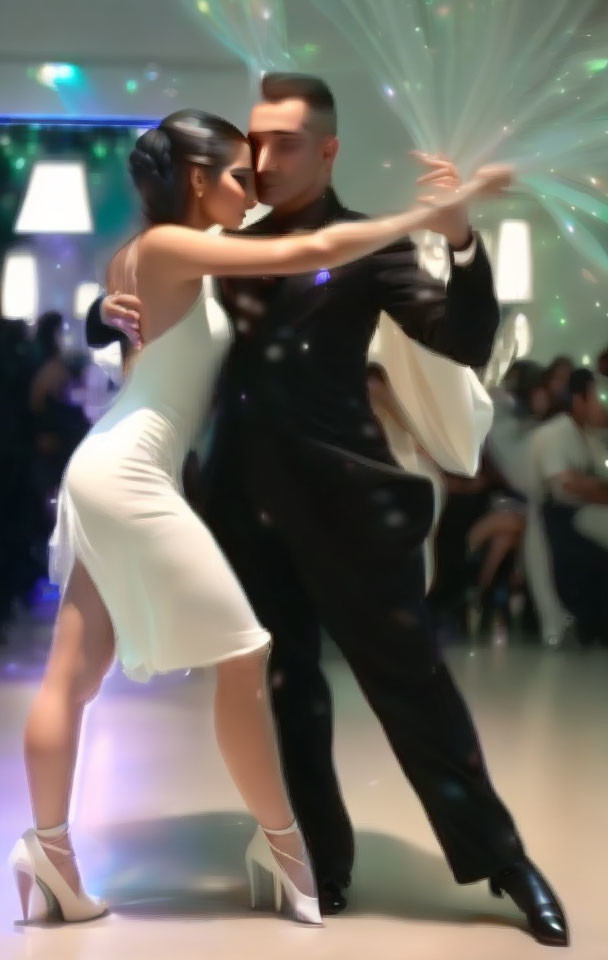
(153, 171)
(159, 163)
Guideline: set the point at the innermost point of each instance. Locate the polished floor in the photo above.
(161, 832)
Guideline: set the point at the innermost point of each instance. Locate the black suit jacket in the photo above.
(298, 365)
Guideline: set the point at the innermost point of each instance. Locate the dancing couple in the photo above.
(306, 519)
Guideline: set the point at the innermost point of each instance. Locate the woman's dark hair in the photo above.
(522, 380)
(160, 162)
(562, 361)
(581, 383)
(47, 331)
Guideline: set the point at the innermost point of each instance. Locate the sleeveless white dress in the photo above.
(171, 595)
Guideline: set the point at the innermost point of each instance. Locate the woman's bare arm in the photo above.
(191, 254)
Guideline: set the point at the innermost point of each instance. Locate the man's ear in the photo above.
(331, 148)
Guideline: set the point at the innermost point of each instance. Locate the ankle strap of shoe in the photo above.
(292, 828)
(55, 844)
(68, 853)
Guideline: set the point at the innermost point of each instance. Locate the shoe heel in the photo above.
(24, 882)
(252, 890)
(34, 904)
(254, 885)
(495, 889)
(278, 893)
(259, 886)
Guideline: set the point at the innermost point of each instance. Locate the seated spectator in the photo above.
(576, 506)
(556, 380)
(52, 374)
(522, 402)
(569, 462)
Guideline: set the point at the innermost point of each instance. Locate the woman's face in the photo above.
(227, 199)
(540, 402)
(558, 383)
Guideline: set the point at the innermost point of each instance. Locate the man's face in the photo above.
(590, 408)
(596, 412)
(291, 155)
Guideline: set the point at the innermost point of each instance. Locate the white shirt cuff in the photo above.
(462, 258)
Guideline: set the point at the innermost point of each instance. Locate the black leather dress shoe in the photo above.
(527, 887)
(331, 898)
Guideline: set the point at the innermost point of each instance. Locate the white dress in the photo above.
(173, 599)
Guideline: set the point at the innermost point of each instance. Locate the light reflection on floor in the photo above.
(161, 832)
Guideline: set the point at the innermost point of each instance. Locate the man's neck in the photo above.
(301, 202)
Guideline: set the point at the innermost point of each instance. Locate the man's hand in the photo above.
(121, 312)
(443, 177)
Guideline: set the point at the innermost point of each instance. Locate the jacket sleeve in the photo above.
(97, 333)
(458, 321)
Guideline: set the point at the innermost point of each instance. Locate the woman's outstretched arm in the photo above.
(191, 254)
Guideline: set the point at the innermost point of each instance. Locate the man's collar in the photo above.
(316, 214)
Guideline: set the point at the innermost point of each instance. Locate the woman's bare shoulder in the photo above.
(116, 267)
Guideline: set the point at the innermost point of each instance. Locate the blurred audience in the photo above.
(556, 379)
(57, 425)
(508, 538)
(575, 506)
(39, 428)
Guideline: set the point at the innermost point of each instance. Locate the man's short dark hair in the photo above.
(581, 382)
(301, 86)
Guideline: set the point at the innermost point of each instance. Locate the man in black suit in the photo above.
(321, 525)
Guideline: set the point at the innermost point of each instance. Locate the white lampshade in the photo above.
(20, 287)
(523, 336)
(56, 200)
(514, 262)
(84, 295)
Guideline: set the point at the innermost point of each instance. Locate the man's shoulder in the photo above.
(560, 425)
(558, 438)
(345, 214)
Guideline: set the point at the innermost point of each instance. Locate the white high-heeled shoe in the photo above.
(260, 858)
(44, 893)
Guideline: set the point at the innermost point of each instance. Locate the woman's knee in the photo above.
(250, 664)
(83, 645)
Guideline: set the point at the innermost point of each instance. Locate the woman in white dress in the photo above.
(143, 580)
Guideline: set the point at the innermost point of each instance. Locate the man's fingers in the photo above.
(131, 333)
(130, 316)
(433, 161)
(442, 173)
(124, 300)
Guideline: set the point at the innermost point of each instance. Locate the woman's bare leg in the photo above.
(81, 654)
(493, 524)
(247, 738)
(500, 546)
